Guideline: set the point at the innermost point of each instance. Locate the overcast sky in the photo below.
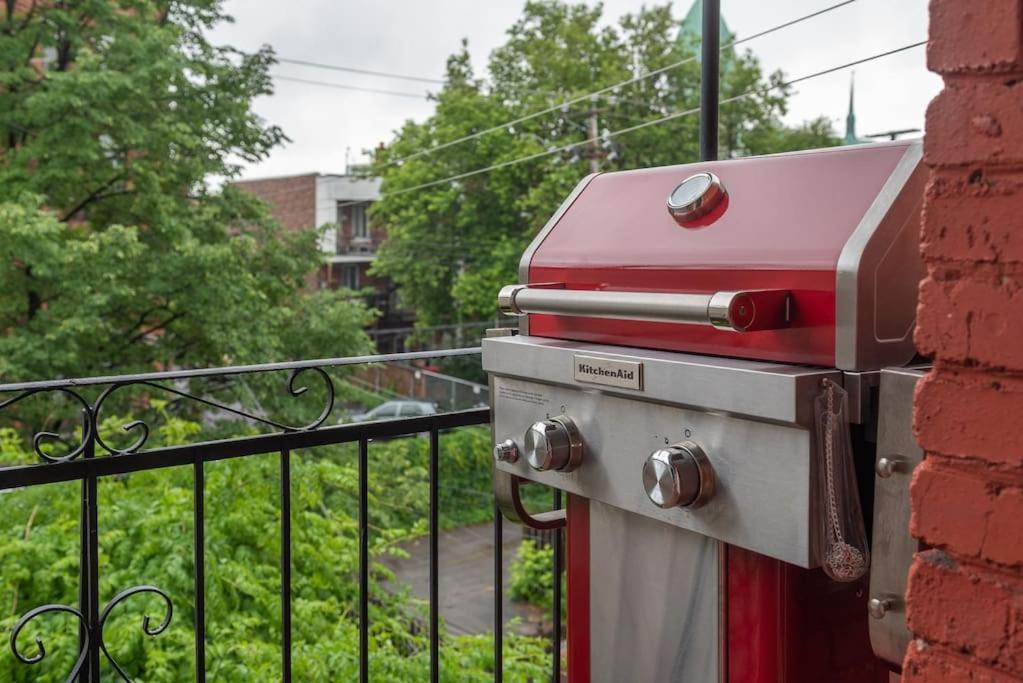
(415, 37)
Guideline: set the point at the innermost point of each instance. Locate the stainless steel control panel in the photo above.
(742, 428)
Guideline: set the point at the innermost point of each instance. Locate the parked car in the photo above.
(392, 409)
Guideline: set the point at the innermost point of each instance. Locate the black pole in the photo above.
(710, 63)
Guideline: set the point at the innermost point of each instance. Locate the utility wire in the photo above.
(353, 70)
(639, 126)
(630, 81)
(342, 86)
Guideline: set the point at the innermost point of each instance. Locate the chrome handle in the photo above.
(743, 311)
(509, 500)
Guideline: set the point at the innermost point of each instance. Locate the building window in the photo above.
(360, 227)
(350, 277)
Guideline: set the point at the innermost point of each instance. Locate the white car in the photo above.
(392, 409)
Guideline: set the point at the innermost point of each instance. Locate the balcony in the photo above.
(351, 250)
(269, 552)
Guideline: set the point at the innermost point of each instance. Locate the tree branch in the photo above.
(34, 300)
(93, 197)
(142, 335)
(142, 319)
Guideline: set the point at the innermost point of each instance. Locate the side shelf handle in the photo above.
(506, 490)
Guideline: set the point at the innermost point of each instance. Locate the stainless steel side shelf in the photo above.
(893, 548)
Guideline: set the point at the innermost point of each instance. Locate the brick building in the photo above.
(965, 598)
(349, 245)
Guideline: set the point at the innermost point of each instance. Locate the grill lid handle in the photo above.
(741, 311)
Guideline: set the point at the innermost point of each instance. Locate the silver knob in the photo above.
(886, 467)
(506, 451)
(554, 444)
(879, 607)
(678, 476)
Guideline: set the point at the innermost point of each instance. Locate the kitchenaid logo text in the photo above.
(613, 373)
(585, 369)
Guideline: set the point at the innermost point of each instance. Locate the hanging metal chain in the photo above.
(845, 561)
(829, 464)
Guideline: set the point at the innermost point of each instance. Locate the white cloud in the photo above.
(416, 36)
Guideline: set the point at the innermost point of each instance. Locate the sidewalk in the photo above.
(466, 579)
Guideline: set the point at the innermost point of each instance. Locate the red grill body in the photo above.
(646, 326)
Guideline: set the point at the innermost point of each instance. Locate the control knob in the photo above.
(554, 444)
(506, 451)
(678, 476)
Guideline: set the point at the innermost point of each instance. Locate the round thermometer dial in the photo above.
(695, 197)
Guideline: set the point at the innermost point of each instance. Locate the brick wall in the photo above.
(965, 598)
(292, 199)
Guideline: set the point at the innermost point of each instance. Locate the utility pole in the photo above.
(592, 133)
(710, 62)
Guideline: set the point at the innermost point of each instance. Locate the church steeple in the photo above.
(850, 118)
(692, 27)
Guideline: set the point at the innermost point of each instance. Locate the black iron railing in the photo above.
(87, 456)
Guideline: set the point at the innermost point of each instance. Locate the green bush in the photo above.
(531, 573)
(146, 537)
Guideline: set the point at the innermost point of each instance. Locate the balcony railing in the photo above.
(87, 453)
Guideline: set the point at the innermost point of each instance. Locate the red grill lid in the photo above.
(804, 222)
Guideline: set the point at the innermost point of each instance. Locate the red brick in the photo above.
(970, 415)
(972, 613)
(966, 607)
(971, 217)
(975, 35)
(976, 121)
(950, 509)
(928, 665)
(1003, 538)
(292, 199)
(965, 512)
(972, 316)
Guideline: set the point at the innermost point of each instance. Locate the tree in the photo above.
(116, 251)
(452, 245)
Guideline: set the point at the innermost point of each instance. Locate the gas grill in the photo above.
(680, 329)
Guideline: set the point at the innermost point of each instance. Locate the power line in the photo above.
(342, 86)
(353, 70)
(645, 124)
(630, 81)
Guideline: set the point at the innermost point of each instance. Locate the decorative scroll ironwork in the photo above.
(143, 429)
(39, 438)
(38, 657)
(91, 414)
(151, 632)
(87, 633)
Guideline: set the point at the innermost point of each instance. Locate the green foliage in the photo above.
(116, 248)
(531, 573)
(146, 537)
(557, 51)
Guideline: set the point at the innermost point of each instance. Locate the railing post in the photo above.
(363, 561)
(498, 595)
(434, 556)
(89, 568)
(199, 555)
(286, 565)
